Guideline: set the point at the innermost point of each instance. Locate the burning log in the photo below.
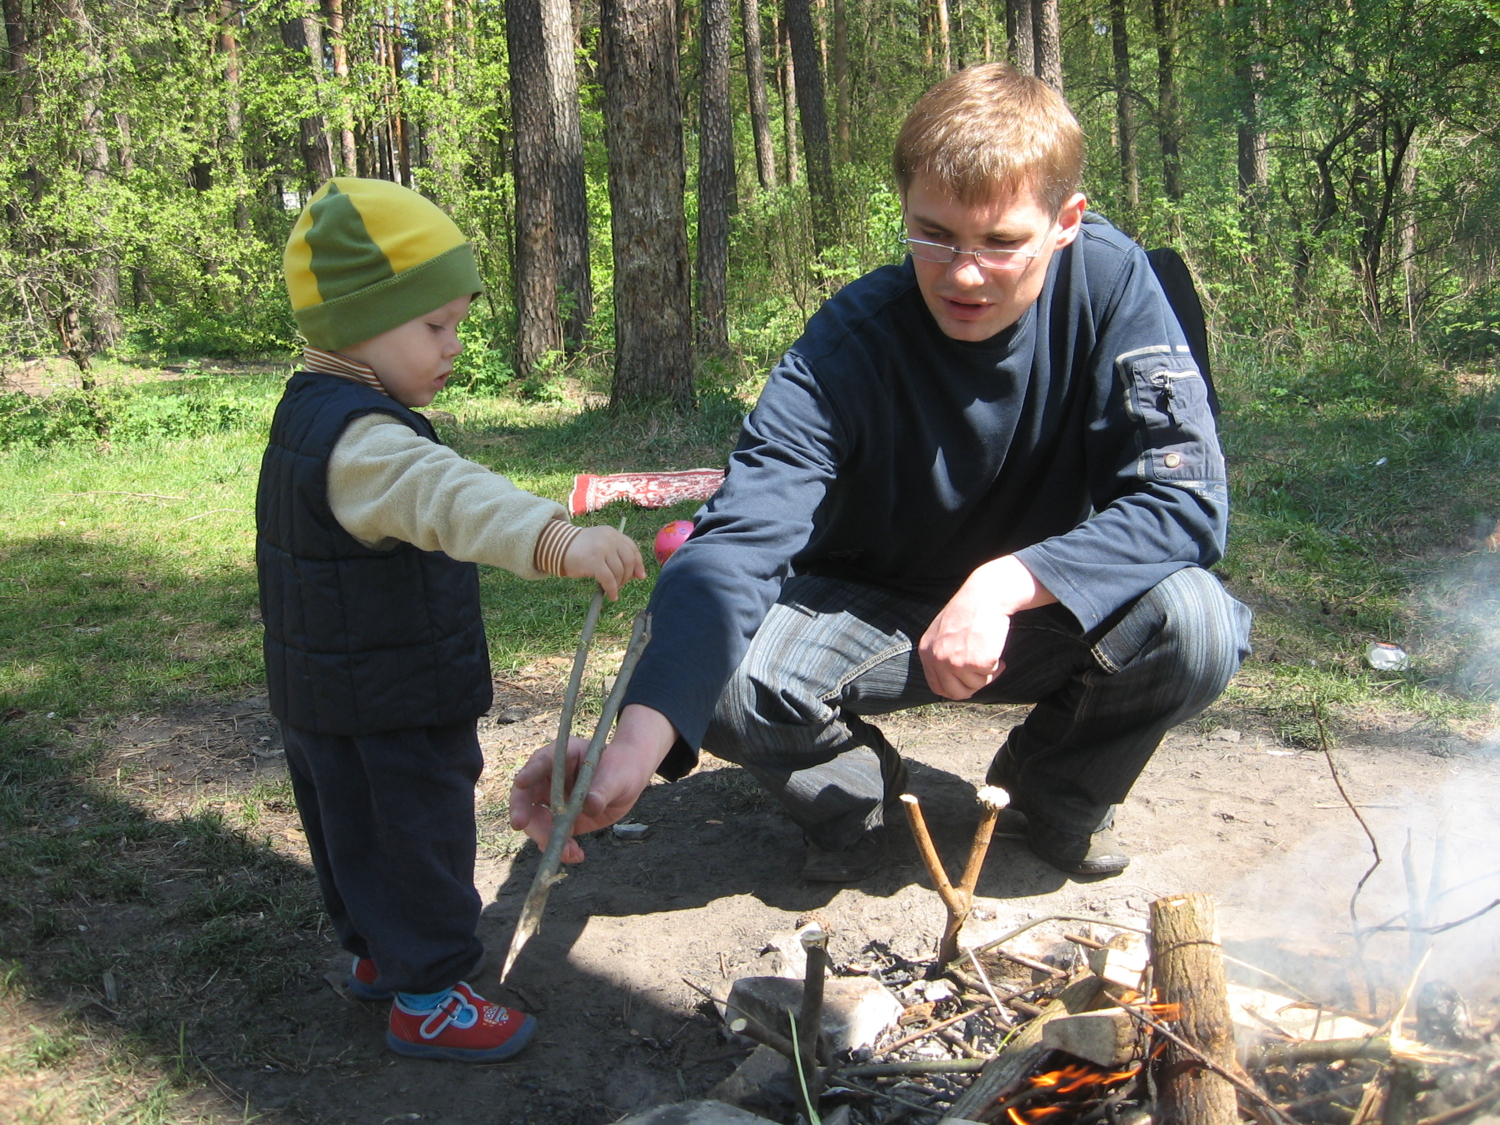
(1022, 1054)
(1107, 1039)
(1188, 971)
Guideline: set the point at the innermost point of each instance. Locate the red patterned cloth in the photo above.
(645, 490)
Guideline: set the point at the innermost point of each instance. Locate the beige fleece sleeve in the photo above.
(387, 482)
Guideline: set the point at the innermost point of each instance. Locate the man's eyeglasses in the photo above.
(989, 259)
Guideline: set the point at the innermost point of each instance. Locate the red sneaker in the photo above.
(464, 1027)
(361, 983)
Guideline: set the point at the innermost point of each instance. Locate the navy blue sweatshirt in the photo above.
(882, 451)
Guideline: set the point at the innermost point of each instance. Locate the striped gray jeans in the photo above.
(832, 652)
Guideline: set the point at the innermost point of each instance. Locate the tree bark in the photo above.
(643, 133)
(841, 76)
(811, 109)
(788, 72)
(716, 185)
(1018, 30)
(1250, 140)
(1188, 970)
(303, 34)
(103, 277)
(348, 153)
(945, 37)
(1046, 31)
(1169, 124)
(570, 201)
(539, 329)
(1130, 177)
(755, 84)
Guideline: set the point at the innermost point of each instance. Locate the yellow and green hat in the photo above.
(366, 256)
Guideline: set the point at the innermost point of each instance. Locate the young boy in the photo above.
(369, 529)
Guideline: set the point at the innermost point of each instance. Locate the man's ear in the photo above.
(1070, 218)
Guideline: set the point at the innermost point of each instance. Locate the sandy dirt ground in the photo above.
(1224, 807)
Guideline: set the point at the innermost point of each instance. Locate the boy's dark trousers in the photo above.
(390, 822)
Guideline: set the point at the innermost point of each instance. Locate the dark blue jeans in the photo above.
(390, 822)
(831, 652)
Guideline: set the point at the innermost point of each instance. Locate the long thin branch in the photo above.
(570, 703)
(547, 872)
(1327, 749)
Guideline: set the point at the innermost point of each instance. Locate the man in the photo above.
(989, 473)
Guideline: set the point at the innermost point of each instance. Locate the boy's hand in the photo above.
(608, 556)
(641, 742)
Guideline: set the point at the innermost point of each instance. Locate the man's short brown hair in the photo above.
(990, 129)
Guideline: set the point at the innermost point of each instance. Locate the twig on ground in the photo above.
(933, 1029)
(1327, 747)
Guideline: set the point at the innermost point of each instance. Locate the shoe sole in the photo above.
(511, 1047)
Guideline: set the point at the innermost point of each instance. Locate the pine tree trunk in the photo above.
(1046, 30)
(755, 83)
(1251, 145)
(539, 328)
(348, 153)
(716, 183)
(1169, 125)
(104, 277)
(643, 132)
(945, 37)
(841, 76)
(788, 72)
(304, 35)
(1130, 177)
(1018, 30)
(570, 208)
(812, 111)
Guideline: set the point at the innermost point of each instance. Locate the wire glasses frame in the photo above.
(988, 259)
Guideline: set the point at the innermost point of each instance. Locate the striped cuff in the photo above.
(552, 544)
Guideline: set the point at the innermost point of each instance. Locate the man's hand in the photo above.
(962, 649)
(641, 741)
(608, 556)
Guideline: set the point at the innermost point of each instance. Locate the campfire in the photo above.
(1106, 1023)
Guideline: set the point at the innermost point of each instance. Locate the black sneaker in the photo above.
(1076, 853)
(858, 861)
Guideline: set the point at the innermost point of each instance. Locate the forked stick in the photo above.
(959, 900)
(548, 871)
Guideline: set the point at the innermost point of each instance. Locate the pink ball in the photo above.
(669, 538)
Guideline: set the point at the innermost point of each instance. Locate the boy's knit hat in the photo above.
(367, 256)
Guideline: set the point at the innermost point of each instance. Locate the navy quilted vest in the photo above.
(358, 640)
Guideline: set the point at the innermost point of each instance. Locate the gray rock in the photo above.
(765, 1072)
(856, 1010)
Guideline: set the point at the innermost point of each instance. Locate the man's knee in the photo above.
(1189, 629)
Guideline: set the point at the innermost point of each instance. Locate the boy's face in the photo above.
(415, 359)
(968, 301)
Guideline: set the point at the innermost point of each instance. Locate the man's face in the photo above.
(415, 359)
(968, 301)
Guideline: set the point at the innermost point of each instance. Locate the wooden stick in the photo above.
(929, 853)
(570, 699)
(548, 870)
(959, 900)
(810, 1021)
(570, 703)
(915, 1066)
(933, 1029)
